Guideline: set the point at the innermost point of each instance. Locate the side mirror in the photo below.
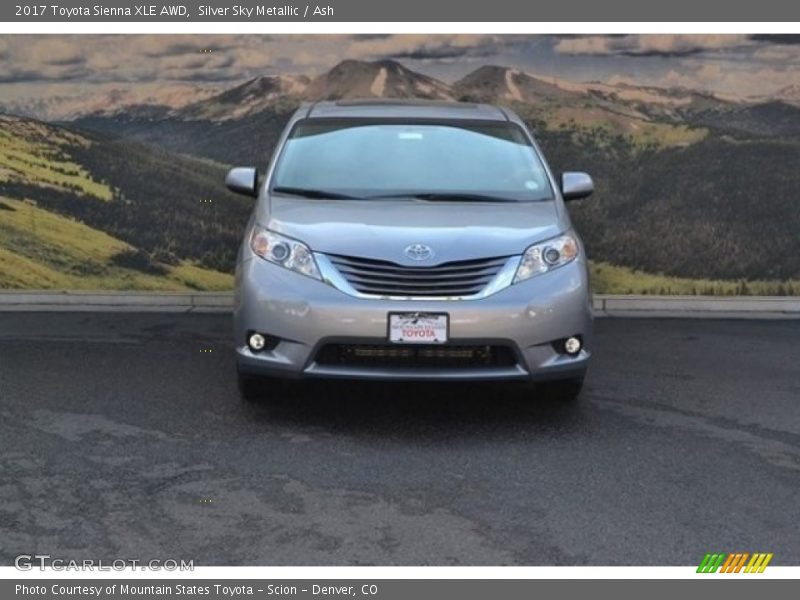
(576, 185)
(243, 180)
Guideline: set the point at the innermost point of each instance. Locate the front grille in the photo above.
(384, 278)
(399, 356)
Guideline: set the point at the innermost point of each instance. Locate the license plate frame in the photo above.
(438, 324)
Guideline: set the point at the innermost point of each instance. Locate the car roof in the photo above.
(405, 109)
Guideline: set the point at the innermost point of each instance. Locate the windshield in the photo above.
(364, 159)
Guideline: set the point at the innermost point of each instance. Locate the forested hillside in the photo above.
(80, 210)
(694, 194)
(719, 208)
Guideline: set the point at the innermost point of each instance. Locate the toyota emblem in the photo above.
(419, 252)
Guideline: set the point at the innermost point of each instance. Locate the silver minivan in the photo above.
(411, 240)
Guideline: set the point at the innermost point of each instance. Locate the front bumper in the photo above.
(305, 314)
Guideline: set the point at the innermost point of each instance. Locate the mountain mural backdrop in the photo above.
(697, 192)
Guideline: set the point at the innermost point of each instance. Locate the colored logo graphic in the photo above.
(735, 562)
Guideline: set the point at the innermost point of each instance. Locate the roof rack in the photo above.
(404, 102)
(399, 108)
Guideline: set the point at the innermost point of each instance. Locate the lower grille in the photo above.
(399, 356)
(384, 278)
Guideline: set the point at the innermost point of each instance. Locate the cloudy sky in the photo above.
(41, 66)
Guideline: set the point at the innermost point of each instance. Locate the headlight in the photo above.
(546, 256)
(284, 251)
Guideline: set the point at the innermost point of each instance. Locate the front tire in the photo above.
(564, 390)
(251, 388)
(255, 388)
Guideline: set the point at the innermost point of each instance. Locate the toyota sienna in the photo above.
(411, 240)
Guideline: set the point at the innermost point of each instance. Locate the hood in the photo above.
(383, 229)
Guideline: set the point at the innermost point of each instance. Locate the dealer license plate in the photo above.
(418, 328)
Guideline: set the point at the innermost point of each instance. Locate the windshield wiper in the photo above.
(312, 193)
(447, 197)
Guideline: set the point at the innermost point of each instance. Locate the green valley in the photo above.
(695, 194)
(59, 220)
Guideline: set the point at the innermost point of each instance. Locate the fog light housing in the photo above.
(572, 345)
(256, 342)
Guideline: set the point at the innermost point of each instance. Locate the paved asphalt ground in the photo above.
(122, 436)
